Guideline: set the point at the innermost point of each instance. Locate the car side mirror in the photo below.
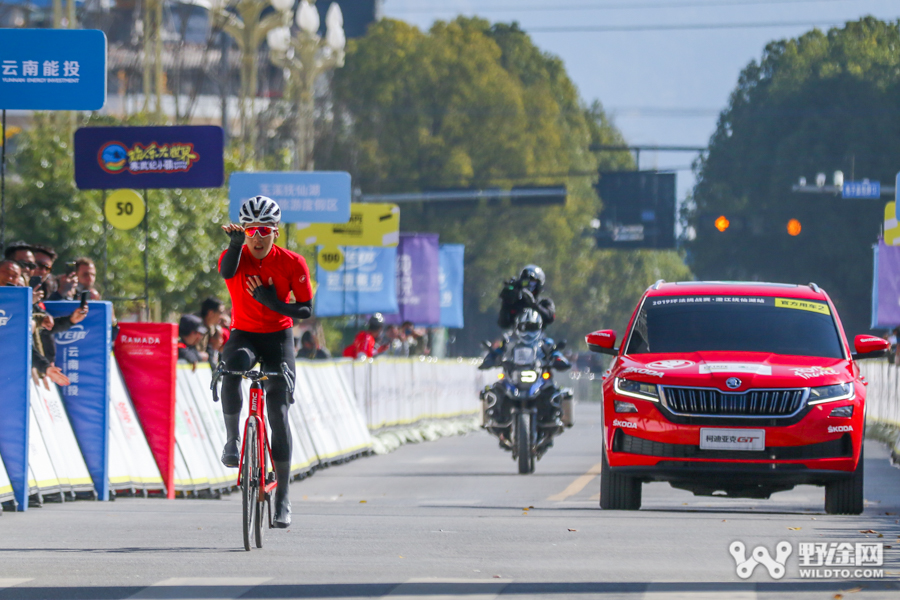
(869, 346)
(603, 341)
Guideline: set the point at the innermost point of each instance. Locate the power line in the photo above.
(611, 6)
(676, 27)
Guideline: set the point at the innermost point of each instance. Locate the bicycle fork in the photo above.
(263, 447)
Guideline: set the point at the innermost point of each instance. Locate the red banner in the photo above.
(147, 354)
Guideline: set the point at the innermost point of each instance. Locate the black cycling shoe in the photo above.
(231, 454)
(282, 518)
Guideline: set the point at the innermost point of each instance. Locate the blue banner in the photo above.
(304, 196)
(52, 69)
(418, 280)
(83, 354)
(452, 278)
(15, 378)
(149, 158)
(364, 283)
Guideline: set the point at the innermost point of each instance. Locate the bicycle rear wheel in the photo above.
(249, 471)
(260, 518)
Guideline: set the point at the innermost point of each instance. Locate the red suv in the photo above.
(741, 389)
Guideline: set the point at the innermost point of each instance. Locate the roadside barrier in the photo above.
(6, 490)
(883, 403)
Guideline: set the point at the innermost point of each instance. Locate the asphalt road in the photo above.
(448, 519)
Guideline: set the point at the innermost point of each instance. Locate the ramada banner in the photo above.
(147, 354)
(112, 158)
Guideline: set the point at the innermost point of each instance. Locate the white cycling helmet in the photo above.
(260, 209)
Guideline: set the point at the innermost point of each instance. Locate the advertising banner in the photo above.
(452, 279)
(149, 158)
(15, 378)
(886, 287)
(418, 281)
(363, 283)
(369, 225)
(52, 69)
(147, 354)
(303, 196)
(82, 353)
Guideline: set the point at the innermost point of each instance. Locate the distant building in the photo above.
(358, 14)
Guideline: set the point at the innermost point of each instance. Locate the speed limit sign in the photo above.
(124, 209)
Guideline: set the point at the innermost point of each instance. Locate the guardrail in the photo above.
(883, 403)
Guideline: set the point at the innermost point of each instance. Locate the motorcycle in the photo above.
(525, 409)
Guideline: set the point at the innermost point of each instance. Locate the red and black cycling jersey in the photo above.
(289, 272)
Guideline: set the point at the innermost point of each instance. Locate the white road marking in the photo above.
(462, 589)
(195, 588)
(9, 582)
(671, 591)
(577, 485)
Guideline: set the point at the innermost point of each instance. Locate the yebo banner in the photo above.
(83, 354)
(15, 374)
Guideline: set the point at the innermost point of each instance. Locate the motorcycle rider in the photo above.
(519, 294)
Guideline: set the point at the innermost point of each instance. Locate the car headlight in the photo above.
(830, 393)
(636, 389)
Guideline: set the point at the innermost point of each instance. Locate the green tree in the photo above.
(469, 104)
(818, 103)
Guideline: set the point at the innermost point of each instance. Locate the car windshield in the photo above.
(735, 323)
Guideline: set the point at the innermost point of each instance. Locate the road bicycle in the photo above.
(255, 479)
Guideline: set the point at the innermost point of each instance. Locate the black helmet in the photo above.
(376, 321)
(530, 320)
(535, 275)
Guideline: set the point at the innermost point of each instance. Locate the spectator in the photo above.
(44, 257)
(415, 339)
(10, 273)
(22, 254)
(212, 341)
(190, 330)
(84, 280)
(394, 340)
(309, 348)
(364, 344)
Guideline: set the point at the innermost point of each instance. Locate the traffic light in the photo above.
(794, 228)
(722, 223)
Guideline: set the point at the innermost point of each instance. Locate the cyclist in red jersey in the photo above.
(260, 277)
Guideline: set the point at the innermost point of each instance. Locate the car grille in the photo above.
(756, 403)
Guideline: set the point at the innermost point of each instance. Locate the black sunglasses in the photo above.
(27, 265)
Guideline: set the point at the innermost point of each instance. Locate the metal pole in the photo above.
(3, 187)
(105, 243)
(147, 254)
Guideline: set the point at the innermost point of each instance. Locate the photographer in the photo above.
(523, 292)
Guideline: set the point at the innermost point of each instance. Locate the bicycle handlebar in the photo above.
(255, 376)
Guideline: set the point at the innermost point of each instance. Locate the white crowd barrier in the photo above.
(6, 490)
(54, 458)
(131, 463)
(883, 393)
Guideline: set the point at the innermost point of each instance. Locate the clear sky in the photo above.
(661, 84)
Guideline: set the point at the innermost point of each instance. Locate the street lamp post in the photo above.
(304, 55)
(246, 25)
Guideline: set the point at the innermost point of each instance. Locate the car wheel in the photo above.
(845, 496)
(618, 492)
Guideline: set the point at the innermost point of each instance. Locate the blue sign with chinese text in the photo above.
(862, 189)
(15, 376)
(452, 278)
(52, 69)
(364, 283)
(149, 158)
(304, 196)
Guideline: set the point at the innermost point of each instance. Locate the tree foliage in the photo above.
(818, 103)
(468, 104)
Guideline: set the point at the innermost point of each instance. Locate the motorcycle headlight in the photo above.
(637, 389)
(830, 393)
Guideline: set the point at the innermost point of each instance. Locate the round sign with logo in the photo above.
(124, 209)
(330, 259)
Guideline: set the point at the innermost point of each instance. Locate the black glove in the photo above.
(266, 296)
(529, 298)
(237, 237)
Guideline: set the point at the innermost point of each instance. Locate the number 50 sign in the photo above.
(124, 209)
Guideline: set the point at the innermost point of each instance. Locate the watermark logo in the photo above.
(3, 318)
(817, 560)
(75, 334)
(760, 555)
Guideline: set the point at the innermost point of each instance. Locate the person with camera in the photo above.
(523, 292)
(260, 277)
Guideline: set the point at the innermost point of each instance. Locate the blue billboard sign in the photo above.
(451, 276)
(865, 189)
(149, 158)
(83, 354)
(304, 196)
(52, 69)
(364, 283)
(15, 377)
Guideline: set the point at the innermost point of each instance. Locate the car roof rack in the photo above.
(656, 285)
(814, 288)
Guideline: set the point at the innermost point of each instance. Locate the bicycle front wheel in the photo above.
(249, 471)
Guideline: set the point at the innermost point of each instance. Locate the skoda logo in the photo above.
(733, 383)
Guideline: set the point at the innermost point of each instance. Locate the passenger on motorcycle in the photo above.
(519, 294)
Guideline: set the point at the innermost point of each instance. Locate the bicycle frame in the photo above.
(264, 448)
